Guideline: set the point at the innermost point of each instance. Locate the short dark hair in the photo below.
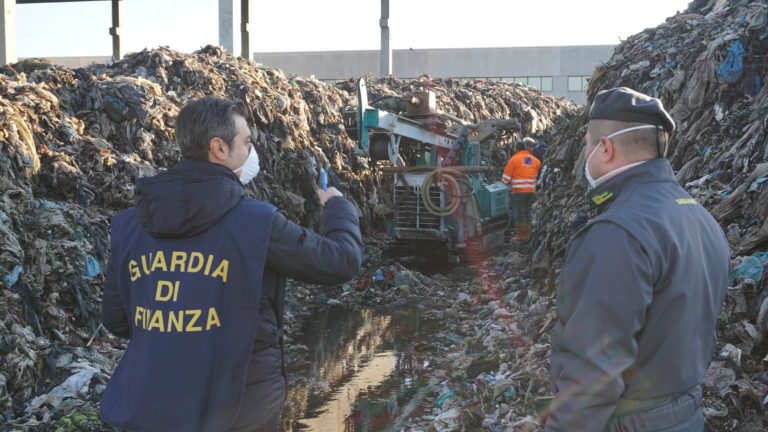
(529, 142)
(520, 146)
(640, 143)
(204, 119)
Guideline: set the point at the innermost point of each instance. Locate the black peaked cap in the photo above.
(625, 104)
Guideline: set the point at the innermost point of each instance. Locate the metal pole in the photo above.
(226, 25)
(8, 32)
(245, 29)
(385, 62)
(115, 31)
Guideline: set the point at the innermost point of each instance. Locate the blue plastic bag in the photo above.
(733, 66)
(751, 267)
(10, 279)
(444, 398)
(92, 267)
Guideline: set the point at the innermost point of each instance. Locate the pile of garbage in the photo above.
(73, 143)
(708, 65)
(496, 375)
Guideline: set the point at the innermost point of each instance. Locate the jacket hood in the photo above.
(187, 200)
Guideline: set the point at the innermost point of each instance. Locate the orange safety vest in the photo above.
(521, 172)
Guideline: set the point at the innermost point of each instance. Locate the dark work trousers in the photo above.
(265, 392)
(521, 207)
(680, 413)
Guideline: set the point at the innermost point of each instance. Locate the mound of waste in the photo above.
(73, 143)
(708, 65)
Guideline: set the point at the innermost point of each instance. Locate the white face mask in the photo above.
(250, 168)
(594, 181)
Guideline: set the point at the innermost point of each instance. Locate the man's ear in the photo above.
(218, 150)
(609, 149)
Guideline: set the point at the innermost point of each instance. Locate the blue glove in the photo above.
(323, 179)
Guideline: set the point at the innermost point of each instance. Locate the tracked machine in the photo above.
(442, 195)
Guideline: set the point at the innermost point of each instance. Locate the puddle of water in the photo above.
(363, 371)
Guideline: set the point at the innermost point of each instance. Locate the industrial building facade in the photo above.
(557, 71)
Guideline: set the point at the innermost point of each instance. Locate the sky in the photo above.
(82, 28)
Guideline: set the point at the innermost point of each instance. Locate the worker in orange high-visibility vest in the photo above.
(520, 174)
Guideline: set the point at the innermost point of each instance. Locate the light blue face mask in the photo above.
(594, 181)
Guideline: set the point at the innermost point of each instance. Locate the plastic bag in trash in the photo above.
(75, 386)
(751, 268)
(10, 279)
(448, 420)
(733, 66)
(92, 267)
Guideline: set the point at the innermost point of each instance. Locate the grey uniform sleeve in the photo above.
(304, 255)
(113, 315)
(606, 286)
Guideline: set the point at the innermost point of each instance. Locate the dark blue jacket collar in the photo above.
(187, 200)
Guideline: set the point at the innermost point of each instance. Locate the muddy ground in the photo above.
(481, 344)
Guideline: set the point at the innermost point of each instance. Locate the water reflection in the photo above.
(363, 371)
(338, 410)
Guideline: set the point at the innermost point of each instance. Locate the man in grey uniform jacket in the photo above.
(641, 286)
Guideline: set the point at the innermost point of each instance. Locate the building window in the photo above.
(546, 84)
(578, 83)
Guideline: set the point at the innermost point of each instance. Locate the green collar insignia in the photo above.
(603, 197)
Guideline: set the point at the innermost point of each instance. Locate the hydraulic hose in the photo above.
(453, 177)
(425, 199)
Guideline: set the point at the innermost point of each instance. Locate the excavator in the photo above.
(440, 193)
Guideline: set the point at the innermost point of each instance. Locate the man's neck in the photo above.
(619, 170)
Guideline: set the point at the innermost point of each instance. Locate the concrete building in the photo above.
(558, 71)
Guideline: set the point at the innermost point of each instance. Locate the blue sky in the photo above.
(82, 28)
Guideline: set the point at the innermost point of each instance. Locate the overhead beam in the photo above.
(226, 22)
(245, 29)
(385, 61)
(115, 30)
(236, 14)
(7, 32)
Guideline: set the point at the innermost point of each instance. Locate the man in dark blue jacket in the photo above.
(196, 281)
